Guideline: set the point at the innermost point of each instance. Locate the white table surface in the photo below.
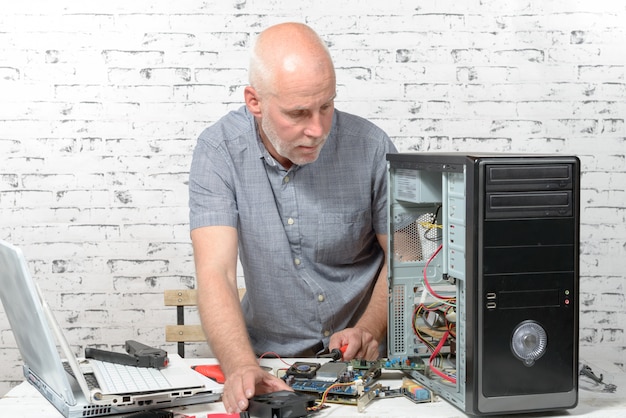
(24, 401)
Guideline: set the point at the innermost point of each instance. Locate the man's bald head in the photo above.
(284, 50)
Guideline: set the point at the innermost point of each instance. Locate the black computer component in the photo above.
(484, 277)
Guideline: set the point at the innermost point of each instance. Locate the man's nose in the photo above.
(315, 126)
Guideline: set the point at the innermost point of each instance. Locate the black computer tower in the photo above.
(483, 269)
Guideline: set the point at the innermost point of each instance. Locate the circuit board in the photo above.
(336, 382)
(413, 363)
(347, 382)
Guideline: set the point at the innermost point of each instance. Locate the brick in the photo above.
(599, 179)
(9, 146)
(149, 231)
(206, 93)
(9, 181)
(129, 266)
(116, 146)
(606, 163)
(138, 300)
(612, 127)
(571, 127)
(173, 112)
(94, 232)
(86, 336)
(484, 73)
(16, 217)
(145, 197)
(47, 181)
(514, 56)
(168, 146)
(223, 76)
(118, 58)
(94, 317)
(591, 108)
(148, 22)
(153, 286)
(545, 108)
(26, 198)
(197, 58)
(612, 335)
(161, 40)
(599, 264)
(149, 75)
(522, 127)
(10, 74)
(601, 73)
(83, 197)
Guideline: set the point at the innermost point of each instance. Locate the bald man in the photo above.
(298, 190)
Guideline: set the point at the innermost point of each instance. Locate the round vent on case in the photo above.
(529, 342)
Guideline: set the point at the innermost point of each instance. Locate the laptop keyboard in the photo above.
(119, 378)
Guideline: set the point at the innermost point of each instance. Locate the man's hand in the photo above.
(360, 343)
(362, 340)
(246, 382)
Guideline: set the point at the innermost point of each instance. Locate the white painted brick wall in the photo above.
(101, 104)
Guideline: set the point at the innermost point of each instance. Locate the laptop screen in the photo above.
(24, 309)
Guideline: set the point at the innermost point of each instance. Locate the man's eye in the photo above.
(297, 114)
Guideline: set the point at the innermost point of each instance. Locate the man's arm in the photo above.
(215, 255)
(363, 339)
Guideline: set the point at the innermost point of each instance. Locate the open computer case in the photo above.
(483, 271)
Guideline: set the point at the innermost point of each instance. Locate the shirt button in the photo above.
(297, 261)
(320, 298)
(326, 333)
(286, 179)
(290, 221)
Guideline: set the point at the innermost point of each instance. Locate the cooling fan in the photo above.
(281, 404)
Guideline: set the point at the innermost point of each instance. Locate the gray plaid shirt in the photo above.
(307, 239)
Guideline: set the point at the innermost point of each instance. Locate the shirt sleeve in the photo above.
(211, 189)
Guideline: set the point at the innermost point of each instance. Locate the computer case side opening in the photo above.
(483, 276)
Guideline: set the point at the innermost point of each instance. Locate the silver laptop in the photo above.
(50, 365)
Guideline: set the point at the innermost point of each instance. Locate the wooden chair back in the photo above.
(182, 333)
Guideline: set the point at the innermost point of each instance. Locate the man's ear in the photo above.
(253, 102)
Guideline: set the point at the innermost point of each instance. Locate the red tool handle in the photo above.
(212, 371)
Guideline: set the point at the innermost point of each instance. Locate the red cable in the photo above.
(434, 354)
(430, 289)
